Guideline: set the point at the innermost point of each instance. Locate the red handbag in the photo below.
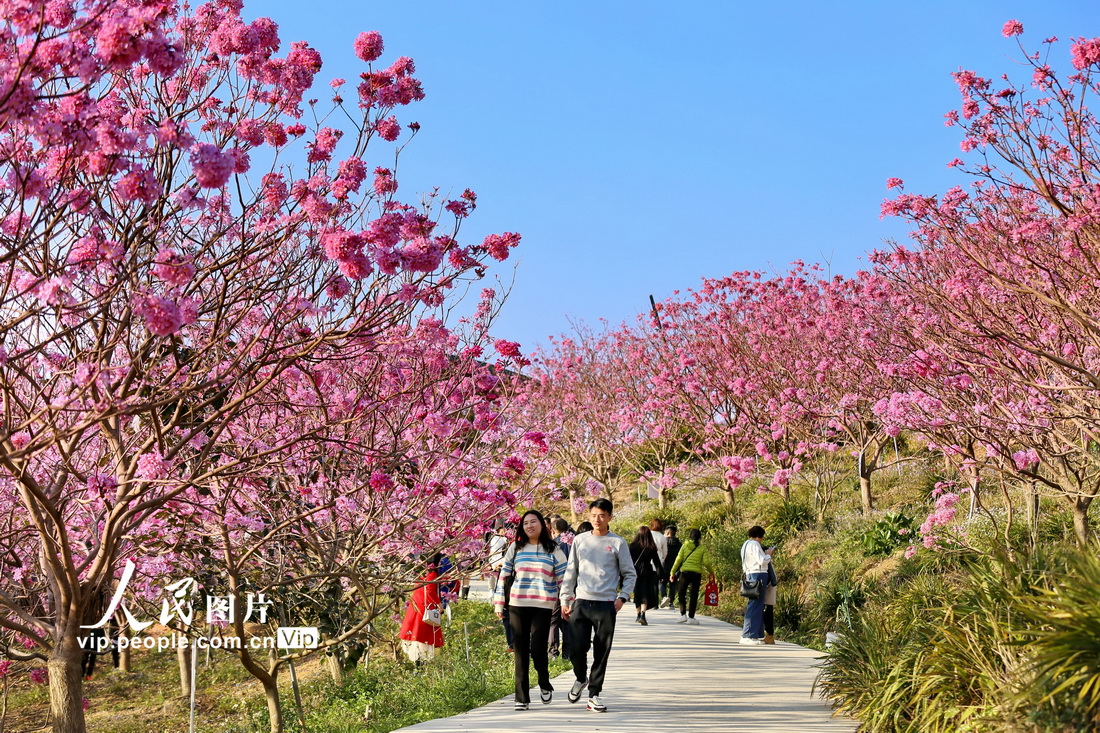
(710, 593)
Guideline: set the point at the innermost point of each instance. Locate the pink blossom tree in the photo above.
(1007, 270)
(166, 269)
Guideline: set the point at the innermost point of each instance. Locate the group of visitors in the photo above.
(557, 590)
(589, 582)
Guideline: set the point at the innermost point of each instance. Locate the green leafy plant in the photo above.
(887, 534)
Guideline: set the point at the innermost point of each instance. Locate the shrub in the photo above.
(887, 534)
(789, 518)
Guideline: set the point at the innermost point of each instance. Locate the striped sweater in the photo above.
(538, 576)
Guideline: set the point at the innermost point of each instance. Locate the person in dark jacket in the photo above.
(668, 585)
(647, 563)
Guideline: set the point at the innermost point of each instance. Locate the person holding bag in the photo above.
(530, 580)
(421, 631)
(691, 561)
(754, 565)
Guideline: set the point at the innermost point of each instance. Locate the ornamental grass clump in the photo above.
(1011, 644)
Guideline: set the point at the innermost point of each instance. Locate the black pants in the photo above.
(688, 603)
(590, 619)
(508, 633)
(666, 589)
(559, 633)
(769, 620)
(87, 660)
(531, 633)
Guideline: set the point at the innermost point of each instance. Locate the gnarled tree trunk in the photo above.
(66, 686)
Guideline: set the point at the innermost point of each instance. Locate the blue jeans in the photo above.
(754, 614)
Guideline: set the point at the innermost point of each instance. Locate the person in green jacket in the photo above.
(691, 561)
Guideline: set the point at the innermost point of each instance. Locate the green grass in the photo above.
(384, 695)
(391, 694)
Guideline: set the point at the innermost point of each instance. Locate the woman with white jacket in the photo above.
(754, 564)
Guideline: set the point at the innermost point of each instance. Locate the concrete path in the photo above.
(670, 676)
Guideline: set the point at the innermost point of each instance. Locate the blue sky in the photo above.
(641, 146)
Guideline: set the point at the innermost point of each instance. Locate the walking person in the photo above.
(668, 583)
(421, 633)
(599, 577)
(559, 630)
(647, 563)
(691, 561)
(754, 564)
(536, 566)
(657, 529)
(498, 547)
(769, 605)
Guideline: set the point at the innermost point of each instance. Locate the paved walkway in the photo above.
(670, 676)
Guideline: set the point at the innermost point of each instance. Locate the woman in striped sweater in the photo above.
(536, 566)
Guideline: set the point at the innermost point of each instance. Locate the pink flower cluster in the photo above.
(508, 349)
(368, 46)
(1025, 460)
(497, 245)
(211, 166)
(738, 469)
(173, 268)
(1085, 52)
(162, 316)
(152, 467)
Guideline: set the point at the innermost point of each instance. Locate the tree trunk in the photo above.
(66, 687)
(728, 495)
(662, 497)
(125, 664)
(1081, 519)
(274, 707)
(868, 464)
(183, 657)
(865, 496)
(335, 668)
(785, 492)
(573, 505)
(973, 479)
(1031, 501)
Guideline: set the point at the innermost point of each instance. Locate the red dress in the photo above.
(420, 640)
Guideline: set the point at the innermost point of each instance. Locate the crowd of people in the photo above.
(557, 591)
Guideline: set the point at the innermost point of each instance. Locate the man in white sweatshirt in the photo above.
(599, 578)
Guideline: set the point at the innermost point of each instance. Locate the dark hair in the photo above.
(756, 532)
(561, 525)
(695, 535)
(603, 505)
(584, 526)
(644, 539)
(657, 525)
(671, 528)
(545, 539)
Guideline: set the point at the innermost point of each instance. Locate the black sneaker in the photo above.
(521, 706)
(546, 696)
(575, 690)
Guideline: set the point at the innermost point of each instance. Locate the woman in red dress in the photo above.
(419, 639)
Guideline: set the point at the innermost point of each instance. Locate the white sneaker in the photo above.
(751, 642)
(665, 603)
(683, 619)
(693, 622)
(595, 704)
